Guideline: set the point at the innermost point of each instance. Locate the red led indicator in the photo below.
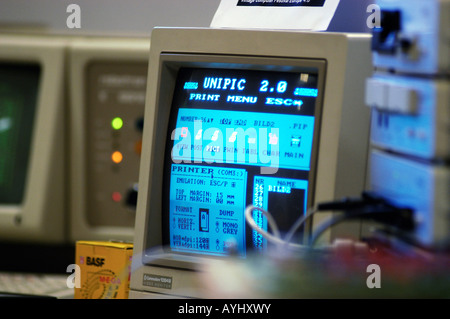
(116, 196)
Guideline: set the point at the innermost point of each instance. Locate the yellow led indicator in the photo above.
(117, 123)
(117, 157)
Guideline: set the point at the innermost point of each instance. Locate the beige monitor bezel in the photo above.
(348, 58)
(42, 215)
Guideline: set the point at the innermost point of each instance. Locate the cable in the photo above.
(276, 238)
(324, 226)
(368, 207)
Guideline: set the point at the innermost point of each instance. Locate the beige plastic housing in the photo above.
(91, 221)
(41, 217)
(343, 147)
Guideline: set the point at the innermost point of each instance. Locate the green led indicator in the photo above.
(117, 123)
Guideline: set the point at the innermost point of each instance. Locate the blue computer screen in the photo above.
(237, 137)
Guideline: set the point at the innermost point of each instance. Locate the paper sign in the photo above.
(312, 15)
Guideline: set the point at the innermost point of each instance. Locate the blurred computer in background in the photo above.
(107, 83)
(32, 139)
(409, 95)
(71, 127)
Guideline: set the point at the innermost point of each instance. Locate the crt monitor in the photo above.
(107, 93)
(32, 163)
(273, 119)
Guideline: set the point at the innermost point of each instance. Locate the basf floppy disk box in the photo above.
(104, 269)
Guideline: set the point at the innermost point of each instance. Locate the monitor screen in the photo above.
(238, 137)
(18, 99)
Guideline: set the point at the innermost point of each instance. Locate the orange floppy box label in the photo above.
(104, 269)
